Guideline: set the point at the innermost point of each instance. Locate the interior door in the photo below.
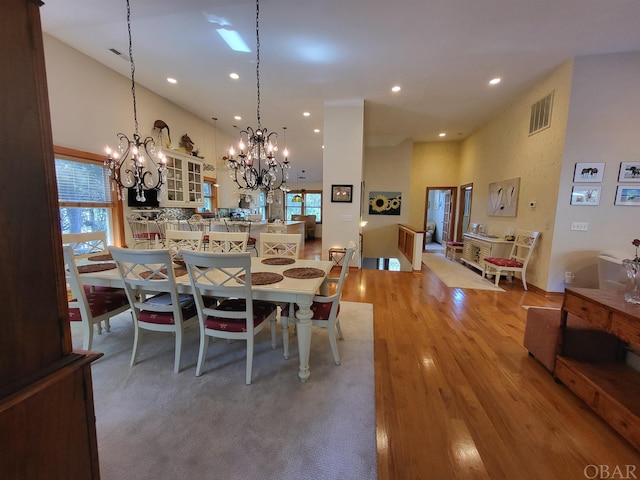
(446, 221)
(440, 207)
(464, 212)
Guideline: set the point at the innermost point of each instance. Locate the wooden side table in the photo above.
(336, 255)
(612, 388)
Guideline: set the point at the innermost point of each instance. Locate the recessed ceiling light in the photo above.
(234, 75)
(495, 81)
(442, 134)
(395, 88)
(317, 130)
(237, 117)
(172, 80)
(306, 114)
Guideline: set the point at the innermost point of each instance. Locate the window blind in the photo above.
(82, 182)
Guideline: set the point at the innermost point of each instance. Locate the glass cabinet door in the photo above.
(175, 182)
(184, 181)
(195, 182)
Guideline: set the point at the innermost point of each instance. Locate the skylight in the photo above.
(233, 39)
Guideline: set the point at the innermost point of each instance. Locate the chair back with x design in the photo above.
(149, 282)
(280, 245)
(86, 244)
(228, 276)
(228, 242)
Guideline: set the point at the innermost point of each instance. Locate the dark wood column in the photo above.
(47, 424)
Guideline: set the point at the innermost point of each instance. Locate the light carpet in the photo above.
(456, 275)
(154, 424)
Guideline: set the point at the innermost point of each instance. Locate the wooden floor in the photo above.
(458, 397)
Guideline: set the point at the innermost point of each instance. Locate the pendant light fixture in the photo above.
(136, 163)
(207, 166)
(297, 197)
(256, 166)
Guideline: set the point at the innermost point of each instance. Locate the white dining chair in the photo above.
(517, 261)
(244, 227)
(141, 231)
(238, 316)
(144, 274)
(183, 239)
(86, 244)
(166, 221)
(228, 242)
(275, 228)
(280, 245)
(325, 309)
(90, 305)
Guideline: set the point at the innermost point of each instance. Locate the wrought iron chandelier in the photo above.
(256, 165)
(136, 163)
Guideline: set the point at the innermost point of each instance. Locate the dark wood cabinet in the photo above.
(47, 424)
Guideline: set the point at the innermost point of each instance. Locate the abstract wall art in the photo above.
(503, 198)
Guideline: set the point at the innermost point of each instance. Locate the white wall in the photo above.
(434, 164)
(91, 103)
(502, 149)
(603, 126)
(386, 169)
(342, 165)
(596, 115)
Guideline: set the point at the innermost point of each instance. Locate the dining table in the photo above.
(298, 281)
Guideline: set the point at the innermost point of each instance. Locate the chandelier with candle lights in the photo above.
(256, 165)
(135, 163)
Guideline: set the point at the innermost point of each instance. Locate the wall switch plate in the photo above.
(580, 226)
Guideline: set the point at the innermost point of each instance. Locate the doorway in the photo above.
(439, 209)
(464, 212)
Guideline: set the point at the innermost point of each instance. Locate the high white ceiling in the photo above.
(441, 52)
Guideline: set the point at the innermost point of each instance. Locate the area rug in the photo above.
(154, 424)
(456, 275)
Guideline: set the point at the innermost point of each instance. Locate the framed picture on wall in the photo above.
(503, 198)
(341, 193)
(629, 172)
(588, 172)
(628, 195)
(385, 203)
(586, 195)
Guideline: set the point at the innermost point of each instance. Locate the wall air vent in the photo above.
(541, 114)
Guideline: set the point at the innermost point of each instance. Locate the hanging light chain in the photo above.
(126, 165)
(256, 165)
(258, 61)
(133, 69)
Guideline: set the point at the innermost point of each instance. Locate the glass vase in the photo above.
(632, 290)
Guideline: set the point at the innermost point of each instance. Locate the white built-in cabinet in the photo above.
(185, 180)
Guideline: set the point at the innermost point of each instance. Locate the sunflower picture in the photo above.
(384, 203)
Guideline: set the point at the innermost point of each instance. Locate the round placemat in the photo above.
(263, 278)
(177, 272)
(103, 257)
(278, 261)
(98, 267)
(304, 272)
